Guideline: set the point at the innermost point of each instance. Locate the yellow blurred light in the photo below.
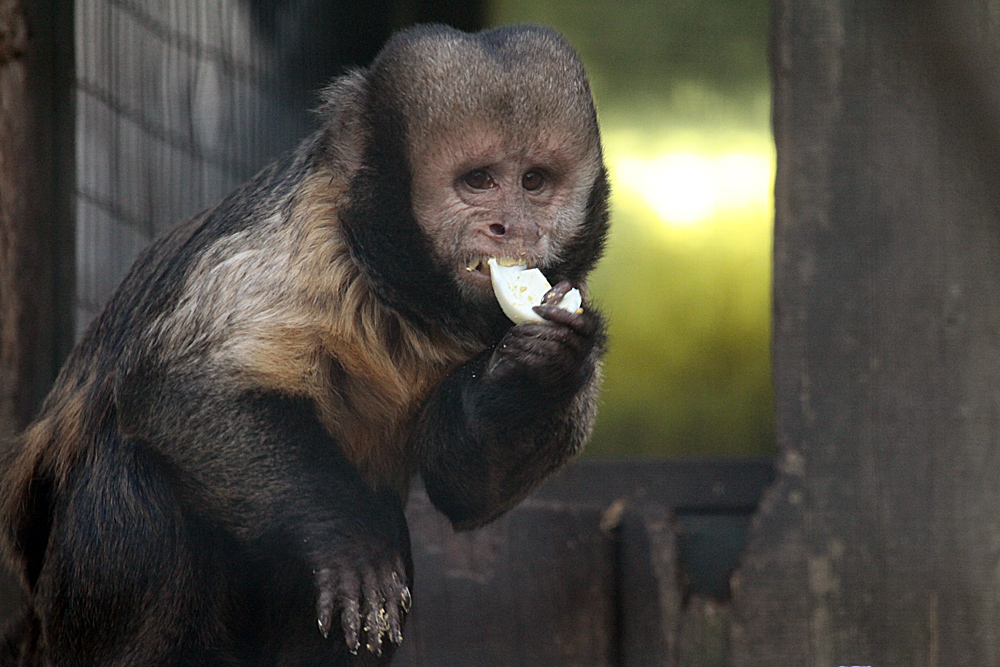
(685, 189)
(677, 186)
(744, 180)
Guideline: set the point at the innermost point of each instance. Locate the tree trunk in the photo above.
(880, 542)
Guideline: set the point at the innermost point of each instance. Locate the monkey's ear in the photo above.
(341, 111)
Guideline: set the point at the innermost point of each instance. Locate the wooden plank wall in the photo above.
(880, 543)
(587, 572)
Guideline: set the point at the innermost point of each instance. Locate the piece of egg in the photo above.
(519, 289)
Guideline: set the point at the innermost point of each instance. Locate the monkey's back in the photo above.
(83, 499)
(80, 407)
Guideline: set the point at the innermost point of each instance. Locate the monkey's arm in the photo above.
(261, 465)
(499, 424)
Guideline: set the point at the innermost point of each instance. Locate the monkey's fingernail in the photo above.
(351, 639)
(324, 620)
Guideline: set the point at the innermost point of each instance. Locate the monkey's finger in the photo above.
(578, 321)
(556, 340)
(397, 604)
(561, 316)
(555, 294)
(543, 353)
(376, 618)
(517, 345)
(405, 597)
(519, 354)
(348, 591)
(324, 603)
(535, 333)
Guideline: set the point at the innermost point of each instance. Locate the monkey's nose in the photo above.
(526, 232)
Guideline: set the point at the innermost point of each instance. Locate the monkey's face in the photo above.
(495, 135)
(482, 194)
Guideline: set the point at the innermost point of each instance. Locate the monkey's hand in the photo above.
(370, 592)
(498, 425)
(554, 358)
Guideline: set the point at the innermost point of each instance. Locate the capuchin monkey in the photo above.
(223, 463)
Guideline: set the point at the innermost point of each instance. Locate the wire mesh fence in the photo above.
(176, 103)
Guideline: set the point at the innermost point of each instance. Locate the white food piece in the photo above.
(519, 288)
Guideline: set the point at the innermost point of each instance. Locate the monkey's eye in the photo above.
(532, 180)
(479, 179)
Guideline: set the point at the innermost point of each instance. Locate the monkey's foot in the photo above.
(373, 602)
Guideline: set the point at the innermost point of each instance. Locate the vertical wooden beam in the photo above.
(879, 543)
(650, 590)
(36, 155)
(36, 186)
(20, 241)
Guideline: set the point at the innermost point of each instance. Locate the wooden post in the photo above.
(20, 241)
(880, 542)
(36, 181)
(36, 145)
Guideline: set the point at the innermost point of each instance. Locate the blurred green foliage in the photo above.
(690, 56)
(686, 279)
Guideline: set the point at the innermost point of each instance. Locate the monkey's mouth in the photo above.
(477, 270)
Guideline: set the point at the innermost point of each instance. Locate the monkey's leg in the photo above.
(498, 425)
(261, 465)
(127, 579)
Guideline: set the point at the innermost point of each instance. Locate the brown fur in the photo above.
(324, 334)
